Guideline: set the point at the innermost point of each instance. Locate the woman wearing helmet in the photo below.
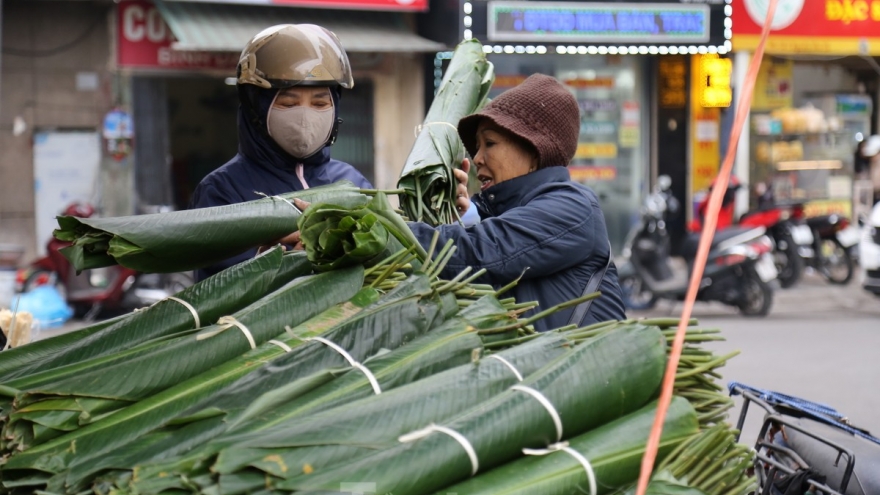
(289, 81)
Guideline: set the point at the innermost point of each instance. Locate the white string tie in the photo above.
(188, 306)
(421, 127)
(354, 364)
(280, 198)
(507, 363)
(280, 344)
(547, 405)
(563, 447)
(227, 322)
(458, 437)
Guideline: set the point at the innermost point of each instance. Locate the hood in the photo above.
(254, 141)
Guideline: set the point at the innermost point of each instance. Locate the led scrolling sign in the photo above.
(529, 21)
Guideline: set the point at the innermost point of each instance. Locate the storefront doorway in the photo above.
(187, 127)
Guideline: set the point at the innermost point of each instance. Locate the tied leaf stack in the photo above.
(351, 363)
(348, 376)
(427, 180)
(191, 239)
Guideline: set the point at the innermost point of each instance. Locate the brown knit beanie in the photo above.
(541, 111)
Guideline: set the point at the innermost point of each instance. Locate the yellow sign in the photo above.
(809, 45)
(592, 174)
(847, 11)
(773, 88)
(715, 81)
(598, 82)
(628, 137)
(672, 81)
(828, 207)
(596, 150)
(705, 124)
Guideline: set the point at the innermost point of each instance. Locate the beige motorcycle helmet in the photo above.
(281, 57)
(294, 54)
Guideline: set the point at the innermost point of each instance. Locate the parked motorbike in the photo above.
(112, 288)
(739, 270)
(792, 238)
(833, 248)
(806, 447)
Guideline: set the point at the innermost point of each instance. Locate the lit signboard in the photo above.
(715, 72)
(569, 22)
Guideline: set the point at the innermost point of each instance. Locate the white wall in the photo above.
(39, 84)
(819, 78)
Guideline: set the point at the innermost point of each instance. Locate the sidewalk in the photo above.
(812, 294)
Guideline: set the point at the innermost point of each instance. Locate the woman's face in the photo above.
(500, 156)
(316, 97)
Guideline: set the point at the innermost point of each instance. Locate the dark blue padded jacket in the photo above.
(546, 228)
(261, 166)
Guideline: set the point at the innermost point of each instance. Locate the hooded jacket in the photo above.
(261, 166)
(546, 228)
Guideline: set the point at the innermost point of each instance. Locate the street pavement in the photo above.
(820, 342)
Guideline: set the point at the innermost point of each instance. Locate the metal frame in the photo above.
(762, 460)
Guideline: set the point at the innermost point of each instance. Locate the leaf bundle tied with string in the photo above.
(427, 180)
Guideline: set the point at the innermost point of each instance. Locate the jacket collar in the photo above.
(518, 191)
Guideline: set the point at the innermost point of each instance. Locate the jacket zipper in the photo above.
(300, 176)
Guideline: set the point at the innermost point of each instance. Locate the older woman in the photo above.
(535, 222)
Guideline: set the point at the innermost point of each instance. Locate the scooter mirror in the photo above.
(664, 182)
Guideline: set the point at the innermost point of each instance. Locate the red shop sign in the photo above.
(145, 42)
(396, 5)
(839, 27)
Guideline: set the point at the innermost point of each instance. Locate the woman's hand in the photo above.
(462, 199)
(291, 240)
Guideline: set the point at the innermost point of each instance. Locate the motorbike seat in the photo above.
(691, 242)
(866, 474)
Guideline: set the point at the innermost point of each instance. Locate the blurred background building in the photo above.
(650, 77)
(128, 104)
(815, 100)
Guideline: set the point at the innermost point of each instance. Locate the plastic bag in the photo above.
(46, 305)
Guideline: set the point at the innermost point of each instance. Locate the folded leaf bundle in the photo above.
(163, 413)
(614, 374)
(190, 239)
(271, 378)
(222, 294)
(449, 345)
(181, 358)
(613, 452)
(299, 445)
(427, 180)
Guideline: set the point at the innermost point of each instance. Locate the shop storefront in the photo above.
(177, 61)
(814, 101)
(607, 54)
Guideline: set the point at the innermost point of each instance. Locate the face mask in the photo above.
(300, 131)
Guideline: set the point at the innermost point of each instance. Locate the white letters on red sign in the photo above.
(136, 24)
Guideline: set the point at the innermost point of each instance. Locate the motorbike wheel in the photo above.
(788, 261)
(836, 263)
(757, 296)
(635, 295)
